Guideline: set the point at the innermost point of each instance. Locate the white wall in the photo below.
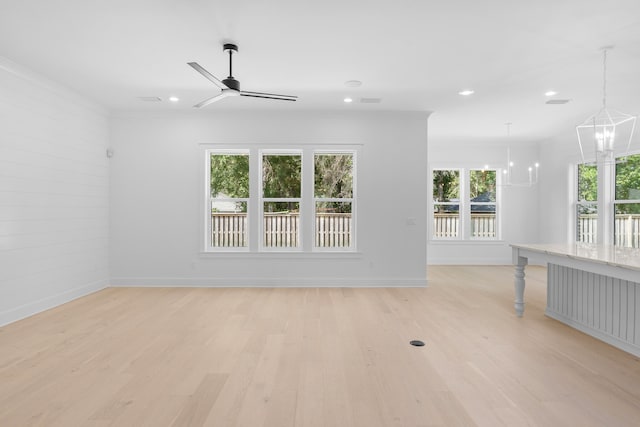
(518, 210)
(53, 194)
(157, 189)
(557, 188)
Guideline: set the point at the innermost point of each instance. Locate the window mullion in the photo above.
(606, 195)
(465, 204)
(307, 206)
(254, 209)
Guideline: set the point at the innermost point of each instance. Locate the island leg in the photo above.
(519, 285)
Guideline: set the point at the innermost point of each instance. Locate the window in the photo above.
(228, 199)
(446, 203)
(627, 202)
(281, 197)
(482, 199)
(465, 204)
(298, 199)
(333, 199)
(587, 203)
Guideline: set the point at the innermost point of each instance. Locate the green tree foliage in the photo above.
(281, 176)
(483, 182)
(333, 178)
(628, 184)
(230, 175)
(587, 182)
(446, 185)
(333, 175)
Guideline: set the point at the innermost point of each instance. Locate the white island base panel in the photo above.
(593, 288)
(604, 307)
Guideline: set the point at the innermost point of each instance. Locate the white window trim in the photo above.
(262, 200)
(352, 200)
(255, 247)
(606, 198)
(464, 205)
(208, 199)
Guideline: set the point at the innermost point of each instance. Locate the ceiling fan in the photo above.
(231, 86)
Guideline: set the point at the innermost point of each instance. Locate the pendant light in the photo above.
(609, 131)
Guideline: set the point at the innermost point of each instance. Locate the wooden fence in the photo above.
(626, 229)
(448, 225)
(587, 228)
(281, 230)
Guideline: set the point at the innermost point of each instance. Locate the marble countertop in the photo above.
(610, 255)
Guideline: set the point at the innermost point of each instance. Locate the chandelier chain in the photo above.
(604, 78)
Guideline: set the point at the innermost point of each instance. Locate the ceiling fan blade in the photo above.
(208, 75)
(211, 100)
(269, 96)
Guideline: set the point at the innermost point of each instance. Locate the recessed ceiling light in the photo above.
(353, 83)
(550, 93)
(466, 92)
(174, 99)
(347, 100)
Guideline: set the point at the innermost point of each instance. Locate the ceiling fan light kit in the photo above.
(230, 86)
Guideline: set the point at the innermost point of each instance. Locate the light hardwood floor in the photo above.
(314, 357)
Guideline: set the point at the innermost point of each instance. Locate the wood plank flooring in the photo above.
(314, 357)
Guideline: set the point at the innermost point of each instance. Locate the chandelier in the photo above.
(606, 127)
(508, 172)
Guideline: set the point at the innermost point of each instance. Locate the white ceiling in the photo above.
(414, 54)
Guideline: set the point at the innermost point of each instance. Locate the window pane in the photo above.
(281, 175)
(446, 221)
(228, 224)
(281, 225)
(230, 175)
(446, 185)
(587, 182)
(628, 178)
(333, 175)
(333, 225)
(482, 186)
(587, 223)
(627, 225)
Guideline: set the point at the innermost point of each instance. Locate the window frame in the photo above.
(255, 202)
(494, 204)
(351, 200)
(464, 205)
(594, 204)
(617, 237)
(606, 199)
(262, 200)
(210, 199)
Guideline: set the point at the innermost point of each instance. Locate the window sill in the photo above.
(351, 255)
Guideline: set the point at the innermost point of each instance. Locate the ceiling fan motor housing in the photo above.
(232, 83)
(229, 46)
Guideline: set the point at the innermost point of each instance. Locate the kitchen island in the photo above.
(593, 288)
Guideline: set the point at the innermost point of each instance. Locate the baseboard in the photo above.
(602, 336)
(468, 261)
(257, 282)
(47, 303)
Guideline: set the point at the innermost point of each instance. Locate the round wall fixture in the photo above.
(416, 343)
